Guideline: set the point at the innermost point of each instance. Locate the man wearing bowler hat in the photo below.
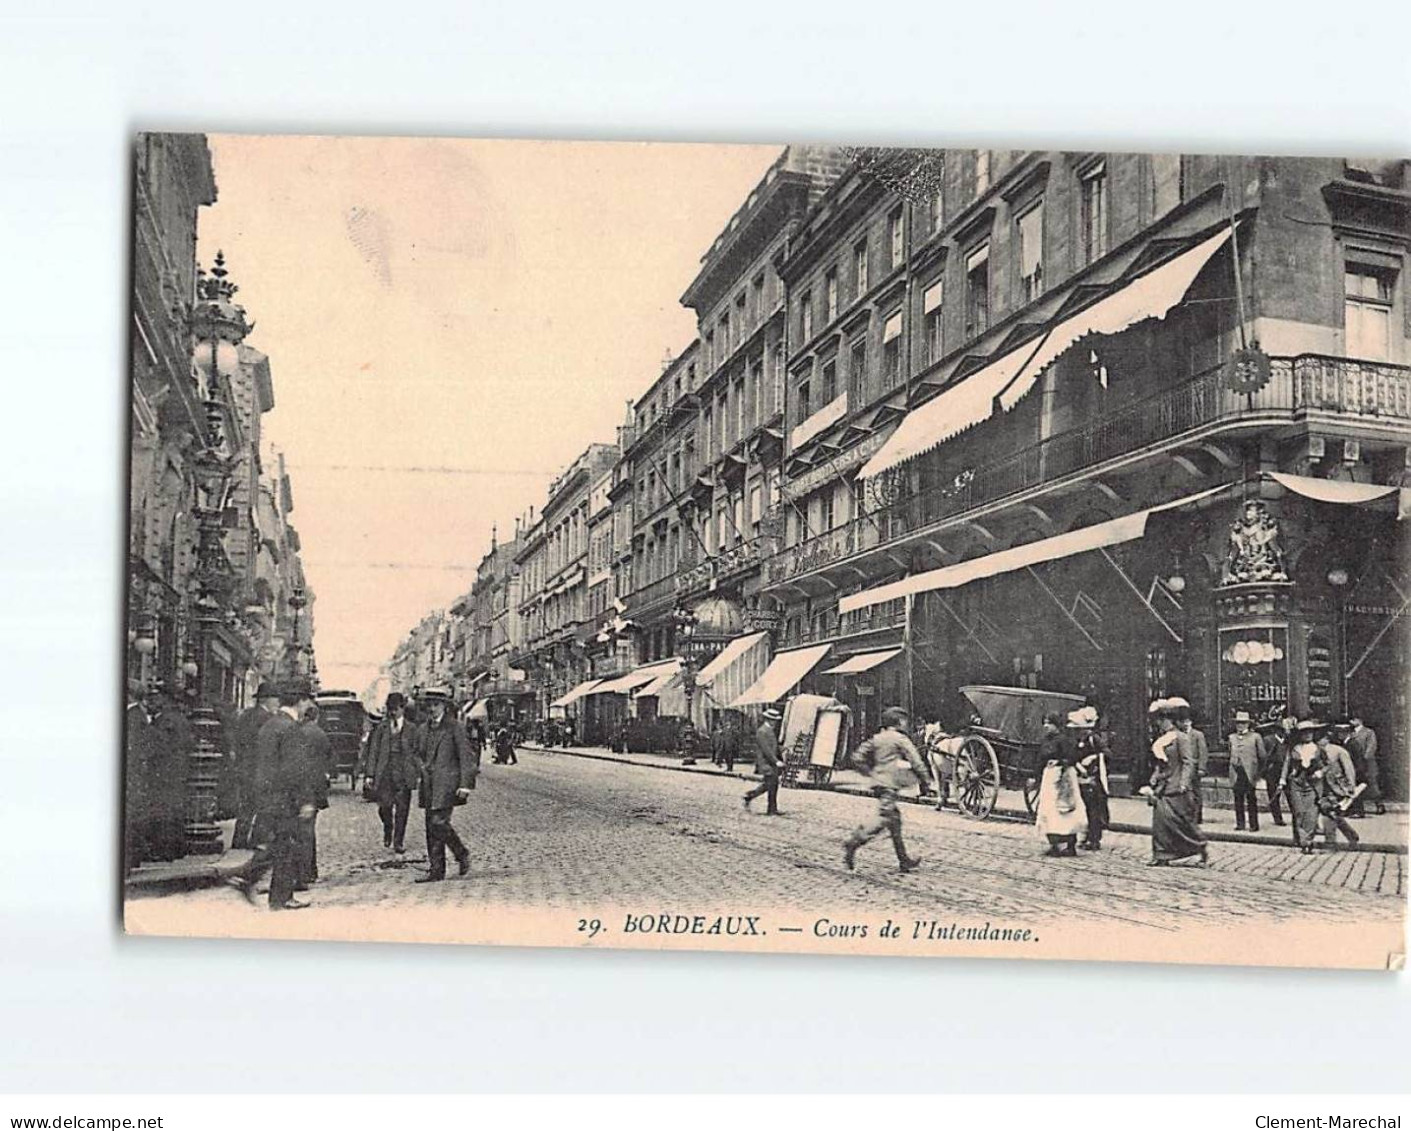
(247, 734)
(766, 761)
(393, 769)
(1245, 751)
(448, 770)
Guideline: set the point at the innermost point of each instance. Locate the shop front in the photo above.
(1279, 594)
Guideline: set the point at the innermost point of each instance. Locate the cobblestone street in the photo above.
(566, 833)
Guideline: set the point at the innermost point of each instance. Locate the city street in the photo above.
(567, 834)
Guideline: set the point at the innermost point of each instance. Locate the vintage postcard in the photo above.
(802, 548)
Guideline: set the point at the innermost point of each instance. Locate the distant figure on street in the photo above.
(504, 748)
(766, 761)
(891, 762)
(448, 772)
(318, 753)
(247, 770)
(1092, 773)
(393, 769)
(1059, 809)
(1362, 745)
(1245, 756)
(1175, 836)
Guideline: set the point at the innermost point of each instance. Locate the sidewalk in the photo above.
(1386, 833)
(212, 868)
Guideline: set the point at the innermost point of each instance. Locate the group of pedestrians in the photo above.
(283, 759)
(436, 756)
(1073, 782)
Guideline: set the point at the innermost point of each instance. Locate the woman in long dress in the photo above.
(1060, 811)
(1174, 833)
(1302, 774)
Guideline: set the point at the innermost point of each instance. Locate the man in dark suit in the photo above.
(393, 768)
(247, 733)
(160, 743)
(1361, 743)
(766, 761)
(1275, 743)
(448, 770)
(288, 781)
(317, 754)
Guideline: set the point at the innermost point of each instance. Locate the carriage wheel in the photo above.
(976, 778)
(1031, 794)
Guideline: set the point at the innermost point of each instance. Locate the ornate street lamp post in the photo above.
(686, 623)
(297, 601)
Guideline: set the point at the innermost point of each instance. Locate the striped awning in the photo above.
(782, 675)
(584, 688)
(638, 677)
(862, 662)
(667, 672)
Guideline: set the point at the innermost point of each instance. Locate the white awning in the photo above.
(739, 664)
(1008, 378)
(480, 709)
(665, 674)
(728, 655)
(862, 662)
(1351, 494)
(1125, 529)
(782, 675)
(576, 694)
(639, 677)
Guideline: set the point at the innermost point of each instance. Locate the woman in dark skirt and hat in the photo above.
(1175, 835)
(1302, 775)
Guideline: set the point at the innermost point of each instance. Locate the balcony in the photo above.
(1309, 386)
(726, 564)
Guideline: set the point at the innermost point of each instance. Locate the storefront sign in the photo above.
(1254, 674)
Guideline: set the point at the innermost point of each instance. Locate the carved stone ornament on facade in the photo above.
(1255, 552)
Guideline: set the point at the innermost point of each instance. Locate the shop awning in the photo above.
(1349, 494)
(862, 662)
(782, 675)
(1008, 378)
(480, 709)
(576, 694)
(638, 677)
(1125, 529)
(739, 664)
(728, 655)
(666, 673)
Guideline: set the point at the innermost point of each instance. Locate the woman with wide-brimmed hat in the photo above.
(1175, 836)
(1302, 777)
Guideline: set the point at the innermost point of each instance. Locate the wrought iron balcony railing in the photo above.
(1310, 383)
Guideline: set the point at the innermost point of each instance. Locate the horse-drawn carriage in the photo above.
(1001, 750)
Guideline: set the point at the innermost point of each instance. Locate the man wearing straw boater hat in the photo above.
(766, 761)
(1245, 751)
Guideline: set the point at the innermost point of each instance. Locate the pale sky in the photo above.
(488, 306)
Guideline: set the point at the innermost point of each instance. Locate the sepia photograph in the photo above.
(837, 549)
